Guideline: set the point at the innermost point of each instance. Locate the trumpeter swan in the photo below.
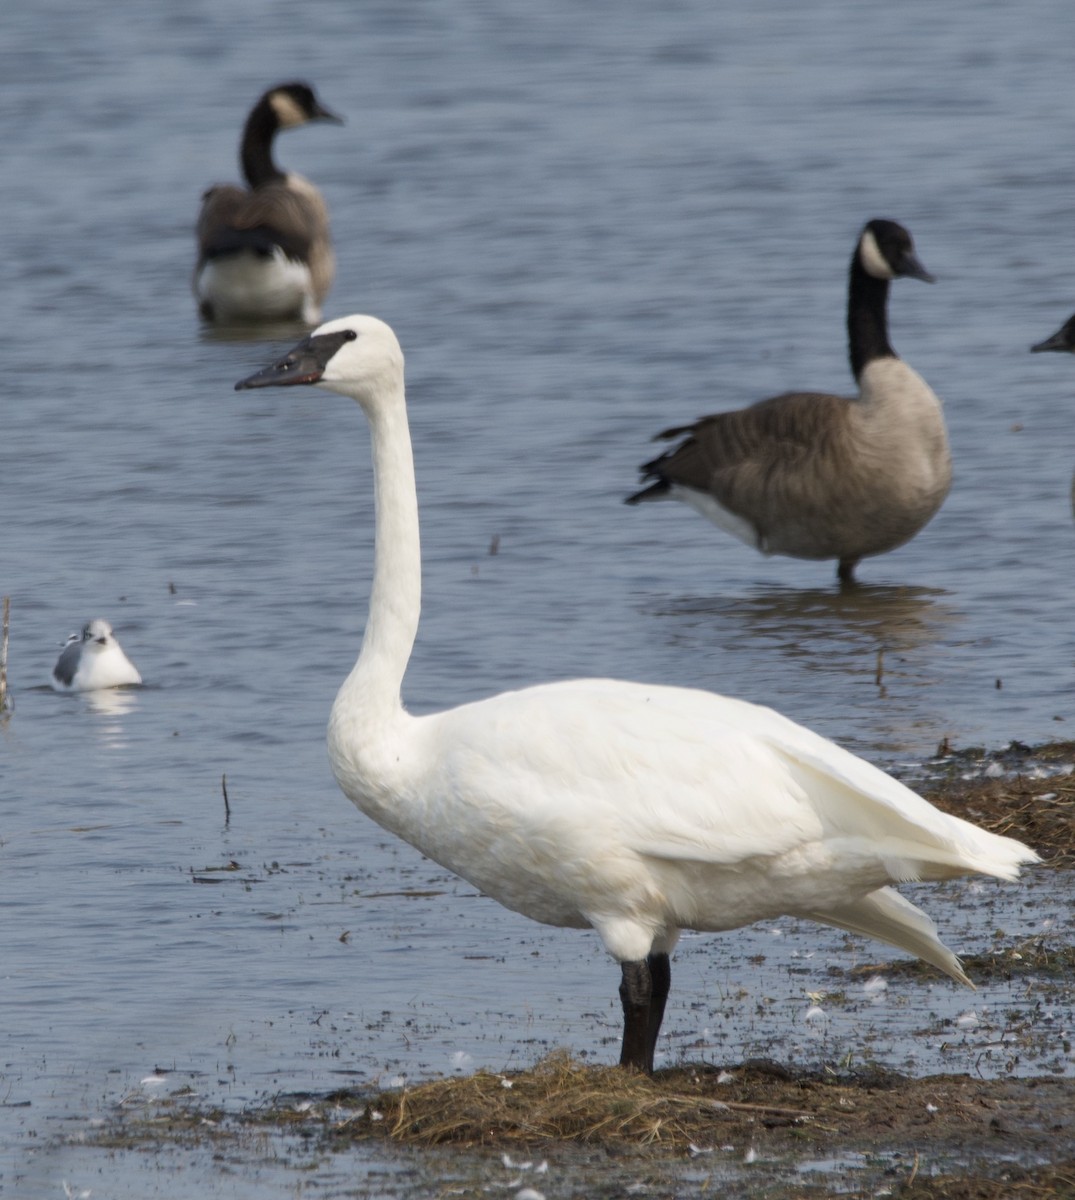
(812, 475)
(631, 808)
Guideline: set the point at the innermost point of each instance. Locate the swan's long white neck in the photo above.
(372, 690)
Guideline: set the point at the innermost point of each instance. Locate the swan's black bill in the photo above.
(306, 363)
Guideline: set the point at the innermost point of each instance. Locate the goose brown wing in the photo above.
(735, 456)
(234, 219)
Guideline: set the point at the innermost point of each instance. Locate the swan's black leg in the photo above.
(660, 973)
(643, 991)
(636, 992)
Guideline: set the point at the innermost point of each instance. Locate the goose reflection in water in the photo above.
(878, 636)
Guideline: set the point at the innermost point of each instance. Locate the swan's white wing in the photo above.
(860, 800)
(689, 775)
(651, 771)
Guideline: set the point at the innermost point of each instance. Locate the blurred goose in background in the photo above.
(813, 475)
(265, 251)
(633, 809)
(93, 659)
(1063, 339)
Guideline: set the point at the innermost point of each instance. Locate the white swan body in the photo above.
(641, 810)
(91, 660)
(637, 810)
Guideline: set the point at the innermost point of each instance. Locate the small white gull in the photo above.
(92, 660)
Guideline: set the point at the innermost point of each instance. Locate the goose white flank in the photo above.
(633, 809)
(265, 251)
(812, 475)
(92, 660)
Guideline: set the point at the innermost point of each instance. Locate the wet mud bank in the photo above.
(757, 1128)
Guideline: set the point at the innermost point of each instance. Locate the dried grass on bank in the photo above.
(1036, 809)
(562, 1100)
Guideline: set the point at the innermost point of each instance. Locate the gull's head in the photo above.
(97, 631)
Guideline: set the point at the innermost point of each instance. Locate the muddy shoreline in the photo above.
(756, 1127)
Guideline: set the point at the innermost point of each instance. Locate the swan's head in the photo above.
(357, 356)
(1063, 339)
(886, 251)
(295, 104)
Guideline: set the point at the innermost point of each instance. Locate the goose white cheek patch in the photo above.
(873, 261)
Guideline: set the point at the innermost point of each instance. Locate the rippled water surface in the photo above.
(586, 223)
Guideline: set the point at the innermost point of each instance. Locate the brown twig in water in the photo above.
(3, 655)
(227, 806)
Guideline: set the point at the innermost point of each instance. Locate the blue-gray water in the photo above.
(585, 223)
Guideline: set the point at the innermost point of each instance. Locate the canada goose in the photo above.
(93, 660)
(633, 809)
(1063, 339)
(264, 252)
(819, 476)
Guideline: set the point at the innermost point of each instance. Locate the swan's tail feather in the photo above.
(892, 918)
(862, 802)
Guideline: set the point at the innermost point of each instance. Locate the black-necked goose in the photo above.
(632, 809)
(813, 475)
(93, 659)
(1063, 339)
(265, 251)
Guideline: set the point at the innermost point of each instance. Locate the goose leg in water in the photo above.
(643, 991)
